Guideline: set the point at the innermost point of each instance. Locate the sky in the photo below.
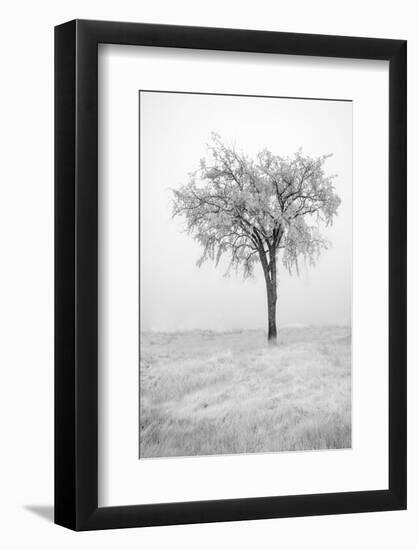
(175, 294)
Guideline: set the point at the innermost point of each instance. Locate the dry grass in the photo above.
(206, 393)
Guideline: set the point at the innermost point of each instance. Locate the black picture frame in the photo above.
(76, 273)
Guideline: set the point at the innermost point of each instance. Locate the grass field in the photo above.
(204, 392)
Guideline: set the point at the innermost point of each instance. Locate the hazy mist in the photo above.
(174, 132)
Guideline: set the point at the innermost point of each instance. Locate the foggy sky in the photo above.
(174, 132)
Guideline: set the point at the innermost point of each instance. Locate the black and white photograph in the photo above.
(245, 274)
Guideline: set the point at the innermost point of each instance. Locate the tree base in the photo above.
(272, 339)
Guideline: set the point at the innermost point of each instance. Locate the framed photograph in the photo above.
(230, 284)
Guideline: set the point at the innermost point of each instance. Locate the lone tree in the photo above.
(252, 208)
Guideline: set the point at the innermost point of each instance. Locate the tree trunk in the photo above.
(270, 272)
(272, 308)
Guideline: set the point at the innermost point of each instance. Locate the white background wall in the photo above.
(26, 289)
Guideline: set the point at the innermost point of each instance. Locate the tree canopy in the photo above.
(250, 208)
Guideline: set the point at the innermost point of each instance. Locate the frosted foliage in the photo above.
(250, 208)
